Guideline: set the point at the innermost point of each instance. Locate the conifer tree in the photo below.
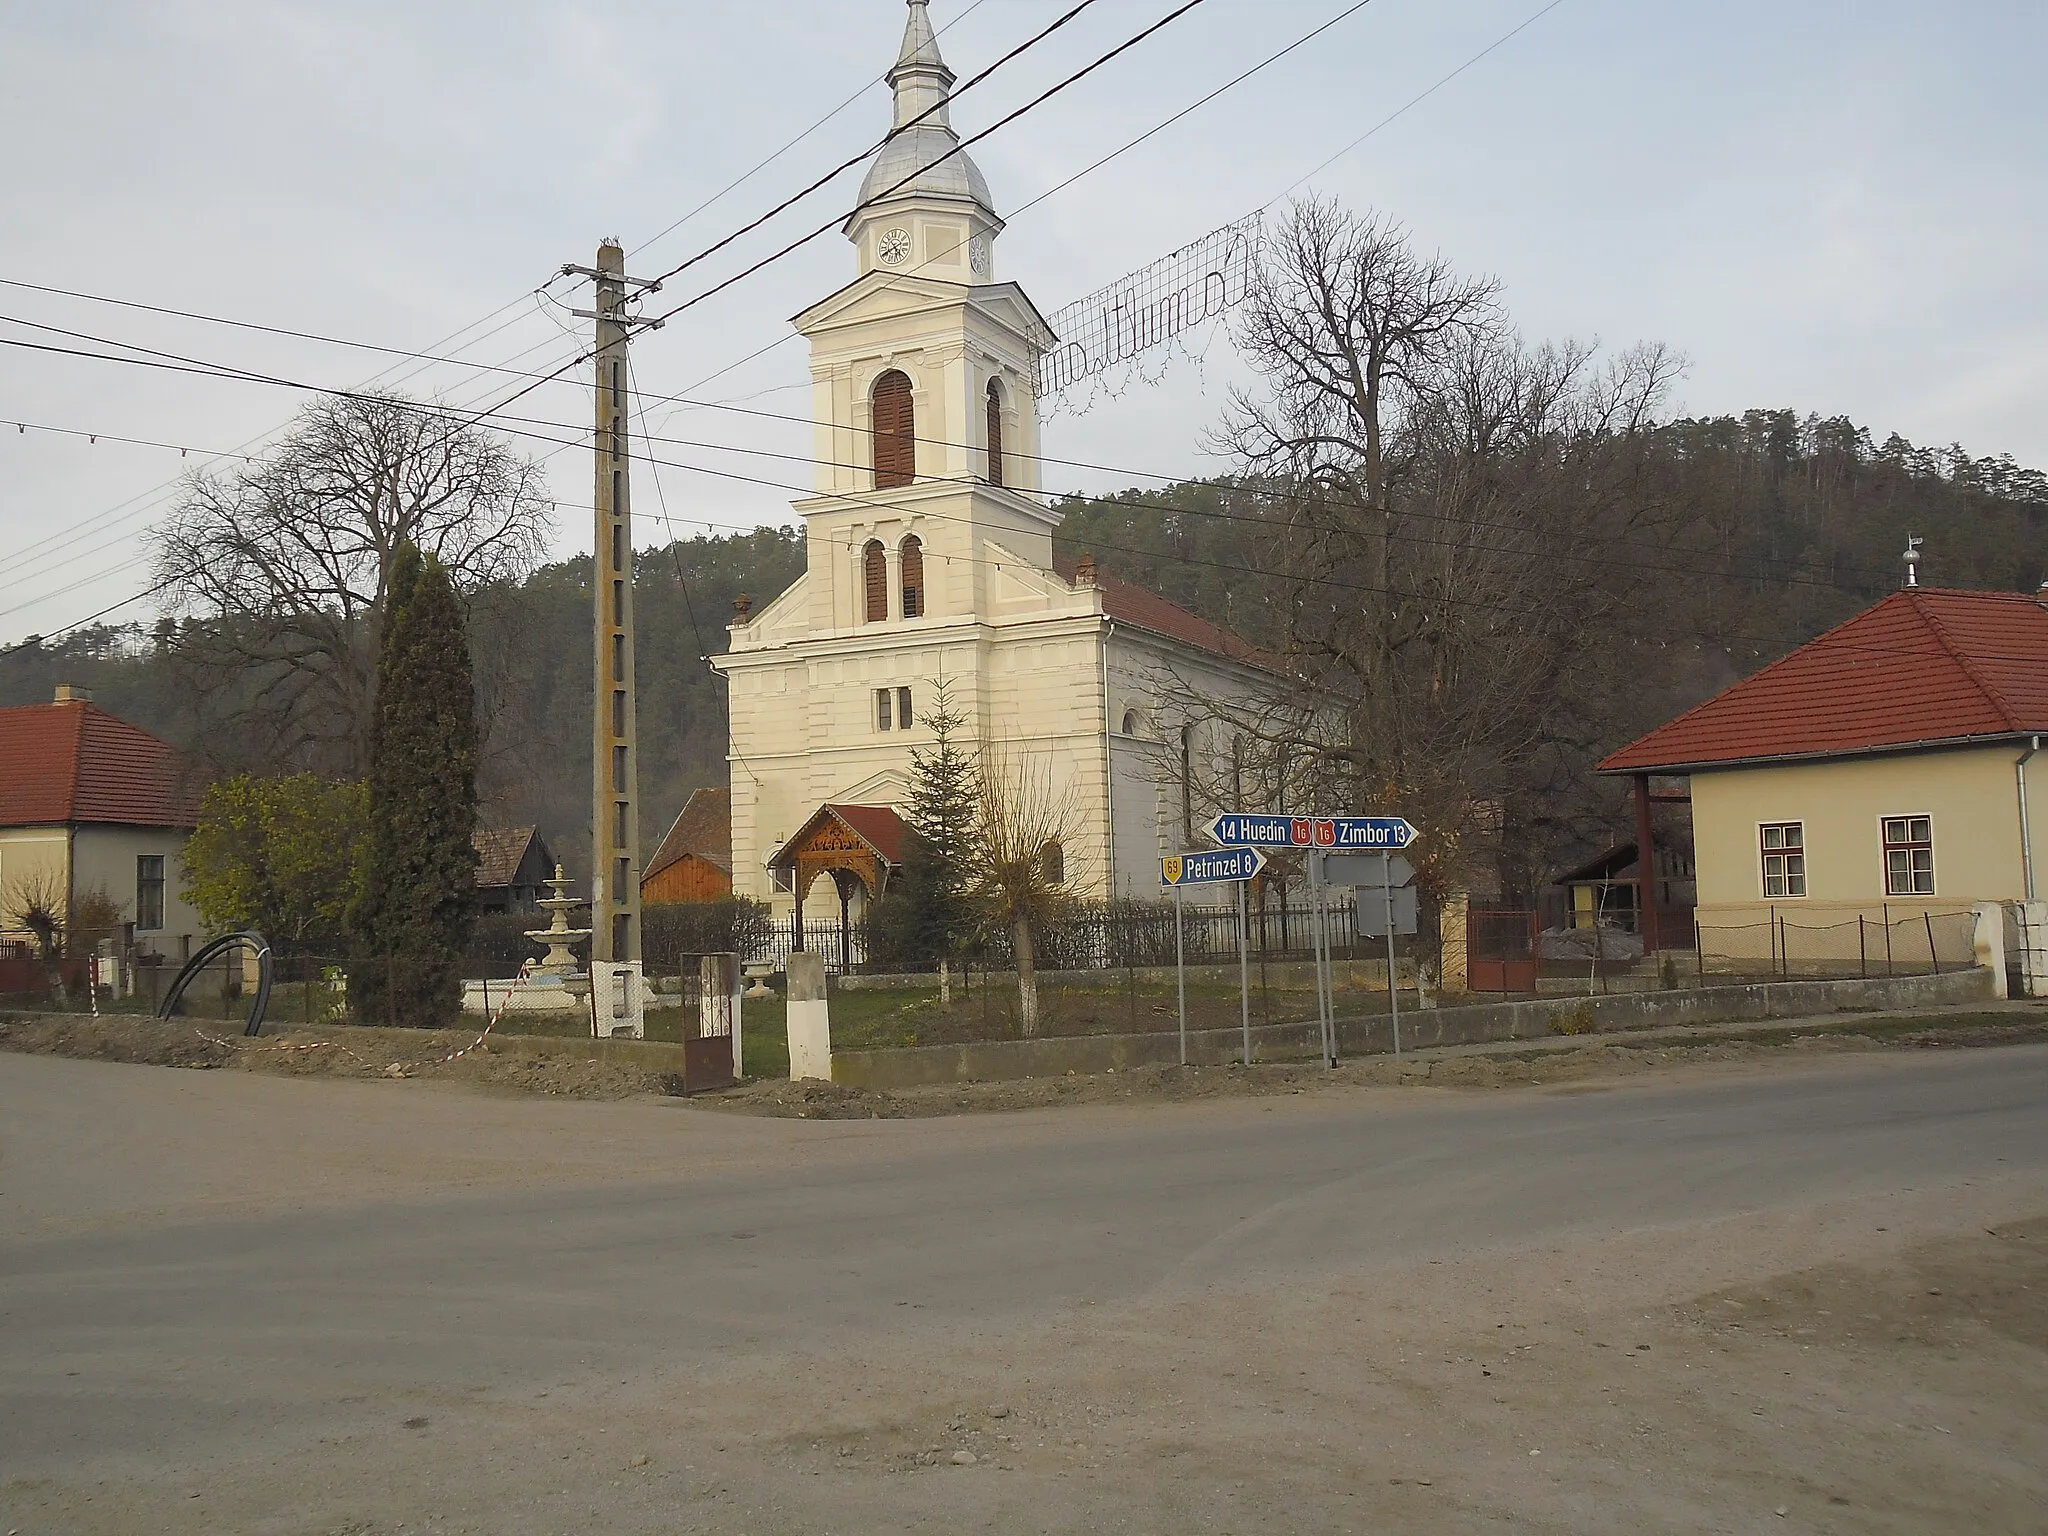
(925, 918)
(419, 891)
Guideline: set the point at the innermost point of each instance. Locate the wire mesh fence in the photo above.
(1792, 945)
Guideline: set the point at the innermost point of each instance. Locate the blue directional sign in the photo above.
(1211, 868)
(1346, 834)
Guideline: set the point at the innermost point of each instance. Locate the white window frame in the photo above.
(1765, 853)
(1885, 846)
(884, 704)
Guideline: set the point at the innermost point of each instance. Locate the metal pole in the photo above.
(1180, 972)
(1393, 982)
(1244, 975)
(1319, 938)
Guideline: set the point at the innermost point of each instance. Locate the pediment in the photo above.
(899, 295)
(886, 788)
(786, 617)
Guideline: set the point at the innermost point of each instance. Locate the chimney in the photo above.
(68, 693)
(1084, 573)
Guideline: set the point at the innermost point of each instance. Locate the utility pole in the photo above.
(615, 767)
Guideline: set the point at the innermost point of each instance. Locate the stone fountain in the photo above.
(552, 984)
(558, 962)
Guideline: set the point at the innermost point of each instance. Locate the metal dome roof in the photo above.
(926, 145)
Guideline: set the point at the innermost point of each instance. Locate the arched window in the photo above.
(874, 573)
(1052, 863)
(913, 578)
(895, 431)
(995, 433)
(1130, 722)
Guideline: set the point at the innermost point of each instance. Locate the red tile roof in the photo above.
(876, 825)
(1141, 608)
(1924, 666)
(72, 762)
(704, 829)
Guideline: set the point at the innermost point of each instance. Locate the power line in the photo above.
(518, 427)
(846, 165)
(965, 144)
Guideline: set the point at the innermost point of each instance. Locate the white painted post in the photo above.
(810, 1020)
(1990, 944)
(738, 981)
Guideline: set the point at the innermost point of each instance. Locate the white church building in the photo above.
(929, 562)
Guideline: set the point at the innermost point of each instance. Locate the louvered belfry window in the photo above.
(913, 578)
(995, 433)
(874, 570)
(895, 432)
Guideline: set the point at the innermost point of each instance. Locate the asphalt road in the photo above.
(144, 1348)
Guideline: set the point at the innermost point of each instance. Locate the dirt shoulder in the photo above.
(530, 1066)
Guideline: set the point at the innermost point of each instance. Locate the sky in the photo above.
(1827, 206)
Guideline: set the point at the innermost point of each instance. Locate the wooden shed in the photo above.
(694, 862)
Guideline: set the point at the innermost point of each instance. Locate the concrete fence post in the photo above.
(810, 1020)
(1990, 943)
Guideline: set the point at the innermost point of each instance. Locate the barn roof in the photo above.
(703, 829)
(500, 851)
(1925, 667)
(71, 762)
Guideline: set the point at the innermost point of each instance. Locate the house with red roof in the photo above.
(90, 803)
(1872, 787)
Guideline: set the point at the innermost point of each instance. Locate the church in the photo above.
(929, 565)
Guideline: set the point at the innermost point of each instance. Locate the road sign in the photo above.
(1343, 834)
(1373, 914)
(1211, 868)
(1363, 869)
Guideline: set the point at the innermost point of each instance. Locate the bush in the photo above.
(674, 934)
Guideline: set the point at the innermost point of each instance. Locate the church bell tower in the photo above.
(923, 370)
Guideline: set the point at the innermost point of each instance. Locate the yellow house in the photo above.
(93, 806)
(1856, 801)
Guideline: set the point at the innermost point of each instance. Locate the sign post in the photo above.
(1244, 974)
(1343, 838)
(1180, 972)
(1395, 877)
(1226, 866)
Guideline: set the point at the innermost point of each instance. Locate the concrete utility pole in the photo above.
(615, 766)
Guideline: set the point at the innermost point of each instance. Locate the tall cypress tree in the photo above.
(419, 897)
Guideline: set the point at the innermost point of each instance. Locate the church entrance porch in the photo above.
(859, 846)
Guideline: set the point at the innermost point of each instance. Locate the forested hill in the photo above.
(1788, 525)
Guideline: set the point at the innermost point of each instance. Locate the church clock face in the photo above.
(894, 246)
(977, 255)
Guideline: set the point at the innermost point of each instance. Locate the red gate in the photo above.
(1500, 949)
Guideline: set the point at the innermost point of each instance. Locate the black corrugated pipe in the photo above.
(197, 963)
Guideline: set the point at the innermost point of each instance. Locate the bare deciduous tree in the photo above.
(1458, 505)
(1018, 866)
(285, 563)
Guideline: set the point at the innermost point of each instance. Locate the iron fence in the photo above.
(1120, 936)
